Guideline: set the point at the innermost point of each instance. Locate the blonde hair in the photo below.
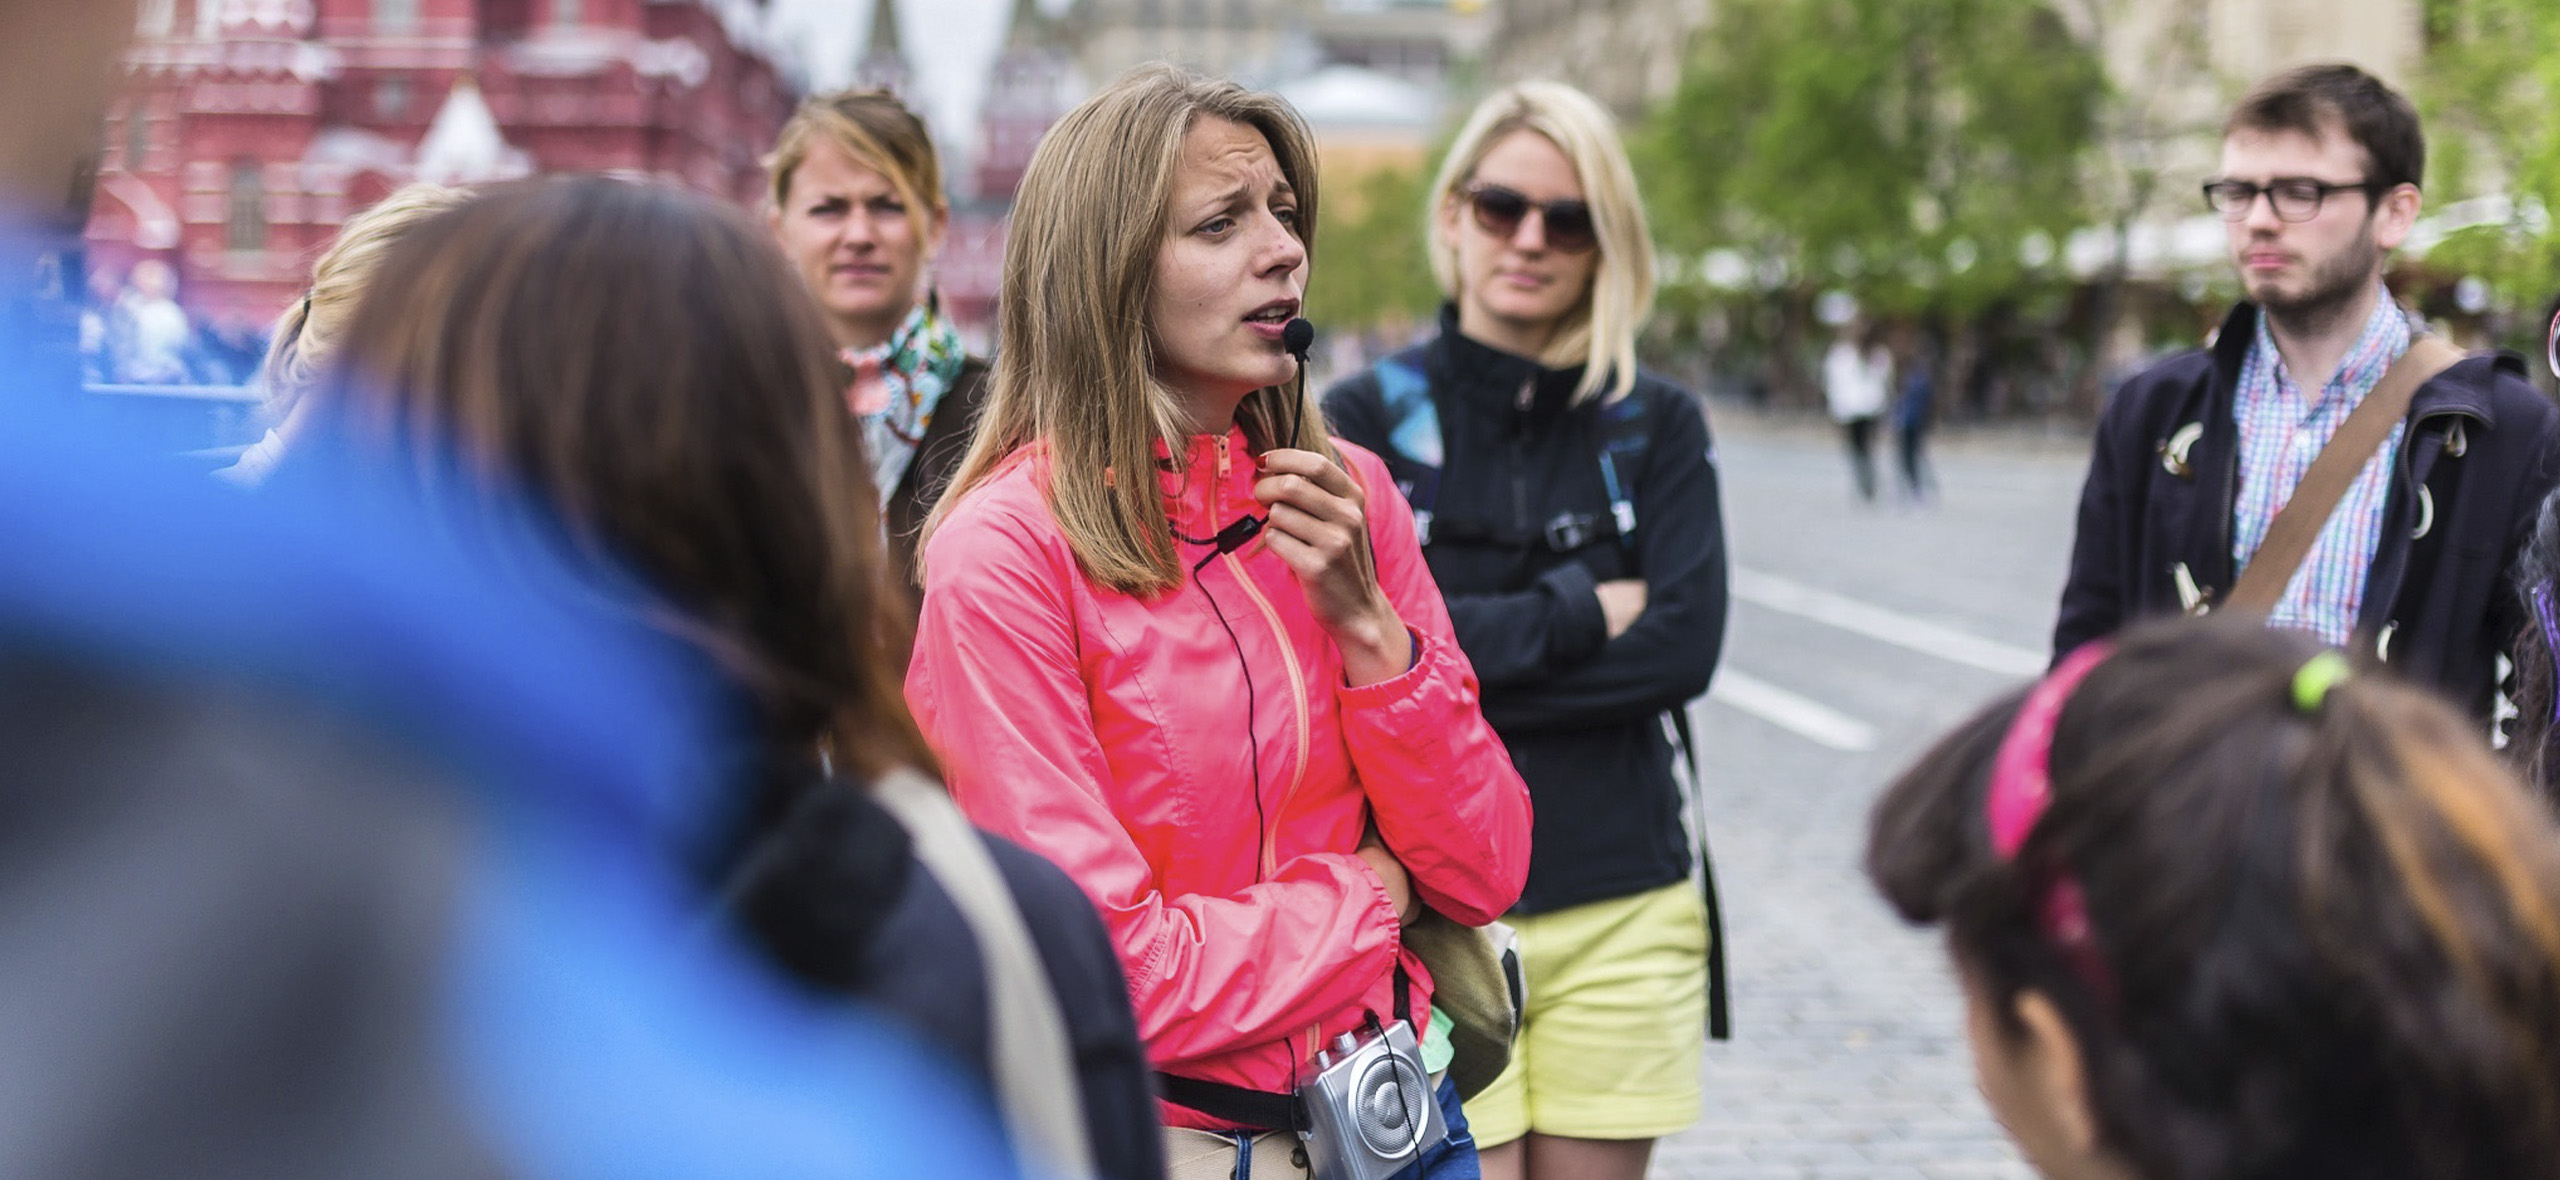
(1599, 332)
(876, 129)
(306, 335)
(1079, 274)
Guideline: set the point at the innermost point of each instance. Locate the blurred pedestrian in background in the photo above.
(306, 335)
(633, 357)
(102, 331)
(859, 208)
(2199, 458)
(1915, 407)
(1857, 380)
(2223, 906)
(1573, 524)
(156, 334)
(330, 847)
(1179, 641)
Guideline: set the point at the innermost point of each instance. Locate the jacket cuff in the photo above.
(1581, 626)
(1382, 908)
(1394, 687)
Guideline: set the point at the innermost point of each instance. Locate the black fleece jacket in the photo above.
(2481, 450)
(1580, 713)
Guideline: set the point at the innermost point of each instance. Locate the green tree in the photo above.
(1370, 266)
(2491, 95)
(1925, 156)
(2146, 123)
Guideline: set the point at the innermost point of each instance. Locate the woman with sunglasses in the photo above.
(1570, 516)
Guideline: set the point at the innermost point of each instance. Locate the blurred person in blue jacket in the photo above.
(330, 846)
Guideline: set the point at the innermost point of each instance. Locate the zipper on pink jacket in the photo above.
(1288, 660)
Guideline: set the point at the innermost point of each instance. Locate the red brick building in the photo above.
(248, 130)
(1029, 86)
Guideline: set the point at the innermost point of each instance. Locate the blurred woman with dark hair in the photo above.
(2225, 907)
(637, 359)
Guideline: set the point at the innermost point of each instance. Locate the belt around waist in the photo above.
(1191, 1154)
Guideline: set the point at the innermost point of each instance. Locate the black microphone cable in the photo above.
(1297, 337)
(1228, 540)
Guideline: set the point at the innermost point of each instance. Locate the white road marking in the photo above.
(1809, 719)
(1880, 623)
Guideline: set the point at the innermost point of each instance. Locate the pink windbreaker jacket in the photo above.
(1108, 733)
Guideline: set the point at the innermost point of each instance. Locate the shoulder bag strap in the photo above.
(2289, 537)
(1719, 984)
(1035, 1076)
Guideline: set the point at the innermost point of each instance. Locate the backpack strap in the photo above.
(1719, 987)
(1415, 457)
(1413, 435)
(1623, 437)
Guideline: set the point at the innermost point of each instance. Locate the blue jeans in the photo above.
(1455, 1157)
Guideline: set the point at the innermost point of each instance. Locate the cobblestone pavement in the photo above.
(1849, 1059)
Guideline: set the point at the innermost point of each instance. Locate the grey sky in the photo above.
(950, 43)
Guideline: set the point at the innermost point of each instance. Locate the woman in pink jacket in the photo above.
(1184, 645)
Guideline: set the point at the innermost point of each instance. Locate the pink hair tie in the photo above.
(2021, 790)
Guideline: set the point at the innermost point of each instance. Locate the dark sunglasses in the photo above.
(1567, 224)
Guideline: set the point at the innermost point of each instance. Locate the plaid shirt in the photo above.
(2281, 431)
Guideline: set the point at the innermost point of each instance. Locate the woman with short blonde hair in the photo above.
(1180, 643)
(857, 205)
(1571, 517)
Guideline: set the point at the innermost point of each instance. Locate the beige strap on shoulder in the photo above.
(1035, 1076)
(2289, 537)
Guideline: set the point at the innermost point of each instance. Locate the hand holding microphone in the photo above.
(1296, 337)
(1319, 524)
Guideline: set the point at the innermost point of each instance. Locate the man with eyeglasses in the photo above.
(2195, 457)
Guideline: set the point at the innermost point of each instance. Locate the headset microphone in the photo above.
(1297, 337)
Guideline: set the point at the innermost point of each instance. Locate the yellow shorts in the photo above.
(1614, 1037)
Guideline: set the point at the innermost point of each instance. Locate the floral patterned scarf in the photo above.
(896, 387)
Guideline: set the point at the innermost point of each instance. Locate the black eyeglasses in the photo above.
(1500, 211)
(2296, 198)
